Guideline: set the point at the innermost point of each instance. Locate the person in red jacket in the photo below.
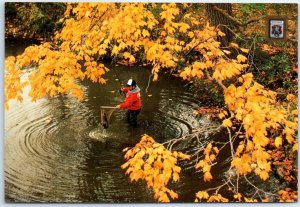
(132, 102)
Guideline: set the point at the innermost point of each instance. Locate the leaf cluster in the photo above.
(152, 162)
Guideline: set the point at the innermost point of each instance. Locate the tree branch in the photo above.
(235, 21)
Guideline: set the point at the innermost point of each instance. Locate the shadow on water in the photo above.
(57, 151)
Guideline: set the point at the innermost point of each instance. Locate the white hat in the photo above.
(131, 82)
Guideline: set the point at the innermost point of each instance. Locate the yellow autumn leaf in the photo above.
(191, 34)
(102, 81)
(240, 149)
(264, 175)
(233, 45)
(216, 150)
(126, 55)
(175, 176)
(125, 149)
(131, 59)
(145, 33)
(222, 199)
(221, 33)
(250, 200)
(176, 169)
(295, 112)
(202, 195)
(221, 115)
(125, 165)
(238, 196)
(249, 146)
(173, 194)
(201, 163)
(206, 168)
(208, 149)
(278, 141)
(184, 156)
(207, 177)
(184, 27)
(227, 52)
(212, 157)
(295, 147)
(244, 50)
(290, 97)
(241, 58)
(227, 123)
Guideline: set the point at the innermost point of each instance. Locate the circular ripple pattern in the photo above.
(57, 151)
(99, 134)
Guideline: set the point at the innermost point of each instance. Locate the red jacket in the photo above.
(133, 99)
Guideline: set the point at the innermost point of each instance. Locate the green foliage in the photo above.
(34, 19)
(211, 93)
(247, 9)
(275, 71)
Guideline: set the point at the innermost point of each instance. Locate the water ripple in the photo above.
(57, 151)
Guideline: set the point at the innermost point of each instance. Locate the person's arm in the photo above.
(128, 102)
(125, 89)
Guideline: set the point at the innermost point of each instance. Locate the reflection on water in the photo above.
(57, 151)
(99, 134)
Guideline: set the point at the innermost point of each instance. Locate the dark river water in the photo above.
(57, 151)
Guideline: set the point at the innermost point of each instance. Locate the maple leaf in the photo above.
(191, 34)
(221, 115)
(295, 148)
(145, 33)
(207, 176)
(234, 45)
(263, 175)
(241, 58)
(290, 97)
(202, 195)
(244, 50)
(157, 169)
(227, 123)
(227, 52)
(175, 177)
(173, 194)
(238, 197)
(278, 141)
(184, 27)
(251, 200)
(221, 33)
(201, 164)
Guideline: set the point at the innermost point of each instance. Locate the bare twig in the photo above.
(237, 36)
(258, 189)
(148, 82)
(231, 143)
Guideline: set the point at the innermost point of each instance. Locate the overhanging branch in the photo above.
(234, 20)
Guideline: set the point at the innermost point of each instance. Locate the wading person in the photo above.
(132, 102)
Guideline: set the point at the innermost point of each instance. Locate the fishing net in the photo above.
(106, 112)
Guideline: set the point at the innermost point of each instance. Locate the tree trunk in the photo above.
(221, 20)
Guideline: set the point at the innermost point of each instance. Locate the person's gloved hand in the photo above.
(120, 91)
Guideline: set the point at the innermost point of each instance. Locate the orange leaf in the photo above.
(241, 58)
(175, 176)
(227, 123)
(207, 176)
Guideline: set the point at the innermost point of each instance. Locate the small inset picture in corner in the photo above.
(277, 28)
